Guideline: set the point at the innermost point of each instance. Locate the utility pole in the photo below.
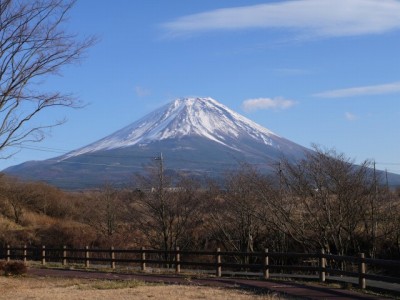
(283, 238)
(373, 217)
(162, 209)
(387, 180)
(160, 171)
(280, 181)
(374, 182)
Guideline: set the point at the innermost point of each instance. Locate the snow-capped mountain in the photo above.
(197, 136)
(200, 117)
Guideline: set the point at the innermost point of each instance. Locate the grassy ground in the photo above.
(25, 287)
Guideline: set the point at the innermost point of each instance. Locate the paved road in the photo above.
(289, 288)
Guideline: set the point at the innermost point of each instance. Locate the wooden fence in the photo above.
(258, 263)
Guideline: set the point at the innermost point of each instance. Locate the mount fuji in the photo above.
(196, 136)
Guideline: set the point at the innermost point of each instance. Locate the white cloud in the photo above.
(350, 117)
(141, 91)
(324, 18)
(388, 88)
(267, 103)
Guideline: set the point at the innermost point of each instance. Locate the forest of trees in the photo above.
(324, 201)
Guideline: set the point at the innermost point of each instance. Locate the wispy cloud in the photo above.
(292, 71)
(388, 88)
(317, 18)
(141, 91)
(351, 117)
(267, 103)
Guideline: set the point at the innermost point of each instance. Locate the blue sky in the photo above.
(313, 71)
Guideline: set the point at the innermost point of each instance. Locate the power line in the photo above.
(42, 149)
(91, 164)
(60, 151)
(63, 151)
(388, 163)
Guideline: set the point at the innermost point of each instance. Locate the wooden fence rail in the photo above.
(255, 262)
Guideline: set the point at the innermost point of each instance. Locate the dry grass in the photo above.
(58, 288)
(36, 220)
(6, 224)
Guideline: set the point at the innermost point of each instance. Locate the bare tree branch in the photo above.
(33, 45)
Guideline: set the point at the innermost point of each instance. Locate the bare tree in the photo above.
(167, 215)
(49, 200)
(234, 218)
(104, 210)
(17, 197)
(330, 193)
(33, 45)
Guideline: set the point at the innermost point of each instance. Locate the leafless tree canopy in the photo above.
(324, 201)
(33, 45)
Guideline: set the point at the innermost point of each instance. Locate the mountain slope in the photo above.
(200, 117)
(197, 136)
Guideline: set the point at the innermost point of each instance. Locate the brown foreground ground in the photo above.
(26, 287)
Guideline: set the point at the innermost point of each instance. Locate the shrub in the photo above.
(14, 268)
(2, 265)
(67, 233)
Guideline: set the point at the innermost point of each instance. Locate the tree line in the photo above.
(324, 201)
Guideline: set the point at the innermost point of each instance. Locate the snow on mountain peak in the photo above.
(204, 117)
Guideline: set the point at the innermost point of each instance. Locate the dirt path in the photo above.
(289, 288)
(55, 288)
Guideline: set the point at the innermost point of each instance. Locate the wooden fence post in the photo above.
(112, 253)
(322, 266)
(8, 253)
(24, 255)
(218, 263)
(87, 263)
(177, 261)
(64, 259)
(266, 264)
(143, 263)
(361, 270)
(43, 255)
